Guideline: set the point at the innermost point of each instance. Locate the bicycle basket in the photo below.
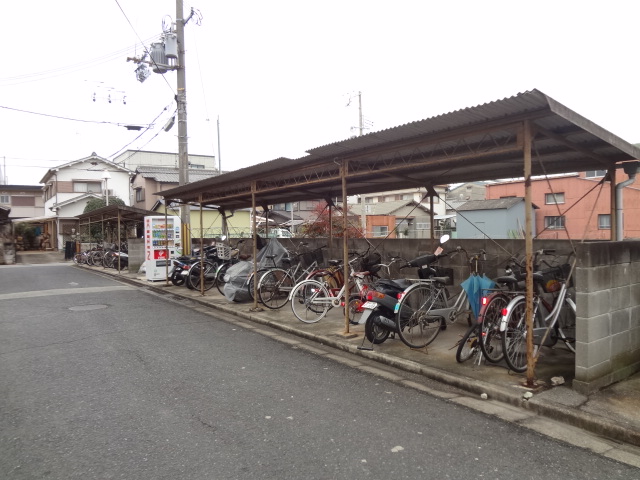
(552, 278)
(307, 259)
(223, 251)
(371, 263)
(444, 272)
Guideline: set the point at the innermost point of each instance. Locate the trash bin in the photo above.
(69, 250)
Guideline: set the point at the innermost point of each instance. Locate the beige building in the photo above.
(147, 181)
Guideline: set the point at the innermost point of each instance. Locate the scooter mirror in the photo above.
(444, 238)
(222, 238)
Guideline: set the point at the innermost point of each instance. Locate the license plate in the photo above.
(369, 305)
(363, 318)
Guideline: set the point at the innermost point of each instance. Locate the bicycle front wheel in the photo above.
(194, 277)
(310, 301)
(274, 288)
(489, 318)
(219, 277)
(514, 338)
(416, 328)
(469, 344)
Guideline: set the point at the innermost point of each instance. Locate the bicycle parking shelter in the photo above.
(520, 136)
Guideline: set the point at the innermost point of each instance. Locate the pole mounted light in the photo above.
(106, 177)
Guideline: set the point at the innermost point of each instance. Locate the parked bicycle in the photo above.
(548, 326)
(311, 299)
(426, 308)
(275, 285)
(484, 338)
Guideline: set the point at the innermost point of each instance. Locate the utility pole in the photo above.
(181, 100)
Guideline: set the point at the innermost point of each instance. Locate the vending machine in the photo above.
(162, 242)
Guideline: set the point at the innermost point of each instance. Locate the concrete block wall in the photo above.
(608, 313)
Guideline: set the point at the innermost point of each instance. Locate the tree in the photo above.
(318, 225)
(98, 202)
(96, 232)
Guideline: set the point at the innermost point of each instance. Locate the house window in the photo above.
(368, 200)
(407, 196)
(380, 230)
(604, 222)
(553, 198)
(554, 223)
(422, 226)
(85, 187)
(595, 173)
(4, 199)
(22, 201)
(195, 165)
(139, 194)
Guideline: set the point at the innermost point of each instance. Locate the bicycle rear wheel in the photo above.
(274, 288)
(416, 328)
(514, 338)
(489, 318)
(469, 344)
(567, 325)
(310, 301)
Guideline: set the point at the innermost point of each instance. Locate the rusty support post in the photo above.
(528, 249)
(345, 243)
(119, 242)
(166, 243)
(201, 249)
(254, 187)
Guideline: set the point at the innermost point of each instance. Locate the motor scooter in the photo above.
(378, 315)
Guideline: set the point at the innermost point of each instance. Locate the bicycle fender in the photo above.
(308, 282)
(505, 317)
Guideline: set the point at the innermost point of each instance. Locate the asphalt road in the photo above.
(101, 380)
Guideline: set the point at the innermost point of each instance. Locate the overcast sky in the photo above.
(279, 74)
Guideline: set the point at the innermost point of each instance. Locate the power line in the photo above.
(69, 119)
(144, 46)
(56, 72)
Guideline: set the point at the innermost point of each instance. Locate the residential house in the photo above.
(68, 188)
(463, 192)
(498, 219)
(132, 159)
(24, 201)
(397, 219)
(576, 206)
(147, 181)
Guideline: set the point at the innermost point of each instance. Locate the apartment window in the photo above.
(595, 173)
(85, 187)
(139, 194)
(4, 199)
(604, 222)
(195, 165)
(554, 223)
(368, 200)
(380, 230)
(407, 196)
(553, 198)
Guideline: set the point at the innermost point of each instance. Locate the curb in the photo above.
(587, 421)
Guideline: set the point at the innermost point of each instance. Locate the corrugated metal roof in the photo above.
(471, 144)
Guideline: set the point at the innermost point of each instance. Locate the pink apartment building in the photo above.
(576, 206)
